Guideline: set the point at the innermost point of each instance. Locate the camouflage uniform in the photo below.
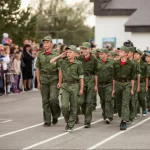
(48, 81)
(123, 76)
(148, 93)
(90, 70)
(133, 100)
(105, 86)
(72, 73)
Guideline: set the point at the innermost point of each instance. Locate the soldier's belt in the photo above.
(104, 83)
(88, 74)
(123, 80)
(51, 73)
(71, 82)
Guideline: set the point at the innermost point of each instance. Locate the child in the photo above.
(17, 70)
(72, 87)
(123, 85)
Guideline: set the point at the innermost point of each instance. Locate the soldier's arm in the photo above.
(81, 86)
(81, 77)
(114, 80)
(133, 73)
(38, 66)
(59, 78)
(138, 73)
(96, 75)
(146, 72)
(58, 57)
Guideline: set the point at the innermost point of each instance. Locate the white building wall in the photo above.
(114, 26)
(141, 40)
(111, 26)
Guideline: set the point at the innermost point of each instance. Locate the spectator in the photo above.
(17, 70)
(1, 72)
(27, 69)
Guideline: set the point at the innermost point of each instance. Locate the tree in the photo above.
(19, 24)
(62, 21)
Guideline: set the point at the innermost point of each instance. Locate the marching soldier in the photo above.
(123, 85)
(72, 87)
(48, 83)
(141, 95)
(105, 67)
(133, 101)
(90, 82)
(147, 54)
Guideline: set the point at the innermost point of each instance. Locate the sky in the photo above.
(90, 20)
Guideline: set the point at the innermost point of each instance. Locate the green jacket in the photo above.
(90, 66)
(124, 72)
(48, 72)
(144, 70)
(71, 72)
(105, 71)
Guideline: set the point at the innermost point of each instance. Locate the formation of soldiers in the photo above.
(120, 79)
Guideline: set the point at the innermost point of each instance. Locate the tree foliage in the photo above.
(19, 24)
(59, 20)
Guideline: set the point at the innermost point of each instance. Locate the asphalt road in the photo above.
(21, 128)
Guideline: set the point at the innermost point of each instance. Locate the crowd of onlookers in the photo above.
(17, 67)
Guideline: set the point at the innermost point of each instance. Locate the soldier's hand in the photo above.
(39, 86)
(59, 85)
(63, 54)
(81, 92)
(95, 88)
(113, 92)
(132, 92)
(138, 89)
(146, 88)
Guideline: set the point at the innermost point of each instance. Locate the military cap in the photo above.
(73, 48)
(132, 49)
(93, 51)
(47, 38)
(147, 53)
(86, 45)
(124, 48)
(103, 50)
(139, 51)
(113, 53)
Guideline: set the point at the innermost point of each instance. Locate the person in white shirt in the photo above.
(17, 71)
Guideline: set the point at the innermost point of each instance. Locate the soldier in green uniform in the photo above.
(90, 82)
(123, 85)
(141, 95)
(133, 101)
(148, 69)
(48, 82)
(105, 67)
(72, 87)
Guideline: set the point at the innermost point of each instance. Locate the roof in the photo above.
(138, 10)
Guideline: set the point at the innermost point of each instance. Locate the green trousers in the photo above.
(50, 101)
(106, 100)
(148, 97)
(132, 104)
(141, 97)
(123, 96)
(70, 96)
(88, 96)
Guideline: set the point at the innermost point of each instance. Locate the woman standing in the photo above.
(27, 69)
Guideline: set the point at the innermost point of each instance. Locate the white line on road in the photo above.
(7, 121)
(20, 130)
(30, 127)
(58, 136)
(117, 134)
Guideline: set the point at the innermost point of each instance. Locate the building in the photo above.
(121, 20)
